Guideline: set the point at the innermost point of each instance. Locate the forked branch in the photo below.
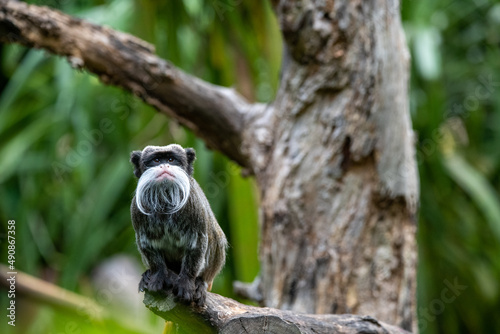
(216, 114)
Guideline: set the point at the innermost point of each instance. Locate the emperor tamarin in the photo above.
(176, 231)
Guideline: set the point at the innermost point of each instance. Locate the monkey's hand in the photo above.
(200, 294)
(184, 288)
(143, 284)
(156, 281)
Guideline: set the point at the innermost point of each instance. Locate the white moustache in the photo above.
(165, 196)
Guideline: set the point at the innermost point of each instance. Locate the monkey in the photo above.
(177, 234)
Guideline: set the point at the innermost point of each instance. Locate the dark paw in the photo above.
(184, 289)
(200, 293)
(159, 280)
(143, 284)
(156, 281)
(169, 280)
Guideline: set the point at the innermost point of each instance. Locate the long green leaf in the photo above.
(16, 148)
(15, 86)
(478, 188)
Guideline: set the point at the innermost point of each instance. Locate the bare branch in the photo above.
(216, 114)
(224, 315)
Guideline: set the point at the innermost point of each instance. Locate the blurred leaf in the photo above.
(118, 14)
(16, 148)
(15, 86)
(244, 227)
(87, 230)
(478, 189)
(426, 41)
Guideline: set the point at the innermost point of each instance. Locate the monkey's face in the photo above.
(163, 173)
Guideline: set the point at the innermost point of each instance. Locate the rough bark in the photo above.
(333, 155)
(224, 315)
(336, 170)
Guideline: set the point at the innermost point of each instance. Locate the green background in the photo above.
(65, 140)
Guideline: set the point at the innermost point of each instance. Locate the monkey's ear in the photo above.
(191, 156)
(135, 158)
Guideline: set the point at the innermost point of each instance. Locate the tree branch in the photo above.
(224, 315)
(39, 291)
(216, 114)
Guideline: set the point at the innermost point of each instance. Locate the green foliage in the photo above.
(456, 114)
(65, 140)
(67, 181)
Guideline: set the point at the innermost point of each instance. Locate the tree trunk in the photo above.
(336, 166)
(333, 155)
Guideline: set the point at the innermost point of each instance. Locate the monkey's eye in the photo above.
(156, 160)
(170, 159)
